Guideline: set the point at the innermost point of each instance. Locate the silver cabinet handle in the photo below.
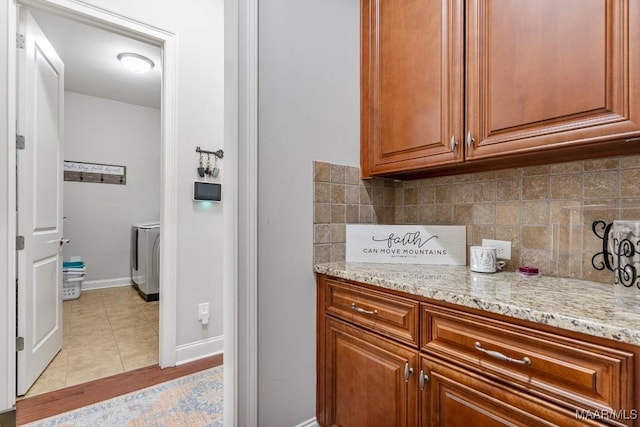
(470, 140)
(407, 372)
(362, 310)
(502, 357)
(454, 143)
(424, 378)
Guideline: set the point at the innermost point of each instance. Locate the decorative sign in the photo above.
(407, 244)
(94, 172)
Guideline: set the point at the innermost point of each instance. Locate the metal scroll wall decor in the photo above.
(620, 251)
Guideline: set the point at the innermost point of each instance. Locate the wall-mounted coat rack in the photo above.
(219, 154)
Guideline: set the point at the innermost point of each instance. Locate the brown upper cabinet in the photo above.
(450, 86)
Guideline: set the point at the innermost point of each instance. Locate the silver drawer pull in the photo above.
(362, 310)
(500, 356)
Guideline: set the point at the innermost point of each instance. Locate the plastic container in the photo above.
(71, 288)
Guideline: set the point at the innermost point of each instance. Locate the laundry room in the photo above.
(111, 204)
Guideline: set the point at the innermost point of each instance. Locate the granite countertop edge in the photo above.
(575, 305)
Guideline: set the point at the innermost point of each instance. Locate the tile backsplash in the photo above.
(547, 212)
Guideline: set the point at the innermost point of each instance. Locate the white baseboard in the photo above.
(89, 285)
(199, 350)
(313, 422)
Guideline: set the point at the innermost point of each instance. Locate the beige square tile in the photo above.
(508, 213)
(124, 320)
(352, 175)
(535, 187)
(535, 213)
(607, 163)
(338, 233)
(462, 193)
(352, 194)
(443, 194)
(352, 214)
(627, 162)
(536, 237)
(321, 213)
(509, 174)
(480, 232)
(444, 214)
(365, 195)
(508, 190)
(426, 195)
(411, 196)
(629, 182)
(565, 168)
(388, 196)
(509, 233)
(600, 185)
(378, 196)
(426, 214)
(485, 191)
(366, 214)
(337, 252)
(536, 258)
(322, 233)
(100, 367)
(321, 253)
(484, 176)
(321, 172)
(535, 170)
(566, 186)
(463, 214)
(322, 192)
(484, 213)
(337, 193)
(411, 215)
(337, 174)
(338, 214)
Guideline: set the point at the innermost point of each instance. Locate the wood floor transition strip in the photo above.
(70, 398)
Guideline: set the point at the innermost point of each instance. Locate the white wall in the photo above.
(99, 216)
(200, 107)
(308, 110)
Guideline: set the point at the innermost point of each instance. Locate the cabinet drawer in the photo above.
(393, 316)
(571, 372)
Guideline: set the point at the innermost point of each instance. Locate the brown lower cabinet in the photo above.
(467, 368)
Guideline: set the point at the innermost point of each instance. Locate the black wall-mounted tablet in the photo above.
(210, 191)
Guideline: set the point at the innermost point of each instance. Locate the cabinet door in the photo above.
(370, 381)
(548, 73)
(451, 396)
(411, 84)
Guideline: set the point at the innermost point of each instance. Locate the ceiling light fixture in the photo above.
(135, 63)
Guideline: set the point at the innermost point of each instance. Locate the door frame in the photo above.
(166, 40)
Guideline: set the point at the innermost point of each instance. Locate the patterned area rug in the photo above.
(194, 400)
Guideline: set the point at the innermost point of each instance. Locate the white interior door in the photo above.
(39, 178)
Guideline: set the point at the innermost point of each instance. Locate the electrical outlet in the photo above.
(203, 313)
(503, 247)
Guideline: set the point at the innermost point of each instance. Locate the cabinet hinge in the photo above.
(19, 243)
(21, 41)
(20, 143)
(19, 343)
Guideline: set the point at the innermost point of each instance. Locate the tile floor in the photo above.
(106, 332)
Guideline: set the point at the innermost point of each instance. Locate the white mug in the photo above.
(483, 259)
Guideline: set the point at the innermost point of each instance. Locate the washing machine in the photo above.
(145, 259)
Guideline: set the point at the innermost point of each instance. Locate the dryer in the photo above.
(145, 259)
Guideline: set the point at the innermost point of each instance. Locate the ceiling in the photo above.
(91, 64)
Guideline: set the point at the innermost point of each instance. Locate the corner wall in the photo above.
(308, 110)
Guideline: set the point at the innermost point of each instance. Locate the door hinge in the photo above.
(20, 142)
(19, 243)
(21, 41)
(19, 343)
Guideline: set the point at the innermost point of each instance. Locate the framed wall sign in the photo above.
(407, 244)
(95, 172)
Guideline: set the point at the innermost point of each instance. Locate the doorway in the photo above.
(164, 43)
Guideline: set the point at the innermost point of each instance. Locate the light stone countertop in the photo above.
(575, 305)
